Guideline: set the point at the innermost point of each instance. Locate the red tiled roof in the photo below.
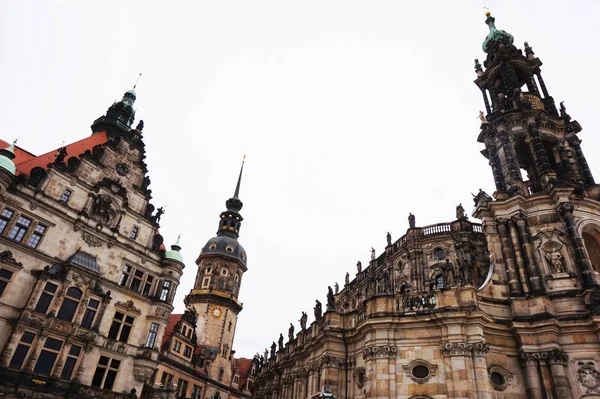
(244, 366)
(25, 161)
(173, 319)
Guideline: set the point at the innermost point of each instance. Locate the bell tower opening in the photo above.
(591, 239)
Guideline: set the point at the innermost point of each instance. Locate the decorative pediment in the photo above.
(128, 306)
(7, 257)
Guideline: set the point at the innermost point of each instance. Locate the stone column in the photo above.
(60, 361)
(510, 160)
(35, 352)
(519, 258)
(532, 270)
(461, 376)
(36, 290)
(10, 346)
(529, 362)
(542, 164)
(494, 162)
(542, 84)
(100, 315)
(583, 263)
(486, 101)
(509, 260)
(585, 168)
(482, 382)
(558, 360)
(535, 182)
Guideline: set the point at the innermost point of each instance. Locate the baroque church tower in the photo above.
(543, 224)
(214, 298)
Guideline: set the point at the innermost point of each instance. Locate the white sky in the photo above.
(352, 114)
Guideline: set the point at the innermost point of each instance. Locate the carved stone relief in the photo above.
(588, 376)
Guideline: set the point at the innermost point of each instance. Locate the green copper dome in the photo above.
(174, 253)
(6, 157)
(496, 36)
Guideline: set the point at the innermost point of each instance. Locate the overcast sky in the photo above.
(352, 114)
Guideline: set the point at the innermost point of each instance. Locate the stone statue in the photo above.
(303, 320)
(159, 212)
(280, 342)
(448, 273)
(266, 356)
(480, 195)
(347, 278)
(140, 125)
(555, 260)
(318, 310)
(465, 272)
(373, 253)
(261, 360)
(386, 282)
(389, 239)
(563, 109)
(460, 213)
(330, 299)
(482, 117)
(359, 266)
(291, 332)
(337, 288)
(273, 349)
(411, 220)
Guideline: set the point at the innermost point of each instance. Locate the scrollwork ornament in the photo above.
(589, 377)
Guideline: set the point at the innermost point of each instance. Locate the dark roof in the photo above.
(225, 246)
(84, 260)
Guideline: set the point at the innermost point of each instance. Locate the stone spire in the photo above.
(231, 220)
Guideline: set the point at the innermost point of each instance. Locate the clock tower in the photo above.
(214, 298)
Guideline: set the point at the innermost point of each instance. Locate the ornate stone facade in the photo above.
(503, 309)
(87, 286)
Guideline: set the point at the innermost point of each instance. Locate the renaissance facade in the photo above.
(509, 308)
(87, 285)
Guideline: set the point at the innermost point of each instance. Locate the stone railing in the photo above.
(40, 385)
(440, 228)
(412, 303)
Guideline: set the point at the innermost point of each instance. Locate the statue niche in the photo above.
(552, 250)
(104, 210)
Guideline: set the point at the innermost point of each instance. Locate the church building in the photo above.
(509, 308)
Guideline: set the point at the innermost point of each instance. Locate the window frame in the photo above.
(134, 233)
(24, 344)
(66, 195)
(36, 236)
(116, 332)
(90, 310)
(165, 290)
(7, 219)
(45, 354)
(74, 362)
(4, 281)
(107, 369)
(46, 294)
(152, 335)
(205, 282)
(72, 301)
(19, 229)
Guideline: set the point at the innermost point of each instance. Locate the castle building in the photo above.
(87, 285)
(509, 308)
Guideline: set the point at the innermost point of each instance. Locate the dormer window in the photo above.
(224, 272)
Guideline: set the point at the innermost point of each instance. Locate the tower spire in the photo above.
(237, 187)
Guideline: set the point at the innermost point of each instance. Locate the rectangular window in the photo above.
(134, 232)
(196, 391)
(205, 282)
(22, 349)
(136, 283)
(177, 346)
(37, 235)
(20, 228)
(47, 356)
(166, 288)
(106, 373)
(5, 276)
(5, 217)
(187, 351)
(182, 388)
(66, 195)
(166, 379)
(121, 327)
(148, 286)
(46, 298)
(152, 335)
(125, 275)
(70, 363)
(90, 313)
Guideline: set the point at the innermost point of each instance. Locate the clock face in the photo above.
(216, 312)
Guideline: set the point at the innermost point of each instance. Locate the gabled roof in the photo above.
(25, 161)
(173, 319)
(84, 260)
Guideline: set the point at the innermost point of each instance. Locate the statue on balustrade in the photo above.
(347, 278)
(389, 238)
(266, 356)
(460, 213)
(465, 272)
(273, 349)
(359, 266)
(411, 220)
(337, 288)
(318, 310)
(373, 257)
(280, 342)
(291, 333)
(303, 320)
(448, 273)
(330, 299)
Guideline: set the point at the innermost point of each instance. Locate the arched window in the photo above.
(225, 351)
(69, 304)
(591, 239)
(221, 372)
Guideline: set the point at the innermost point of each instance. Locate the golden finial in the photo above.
(487, 12)
(244, 158)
